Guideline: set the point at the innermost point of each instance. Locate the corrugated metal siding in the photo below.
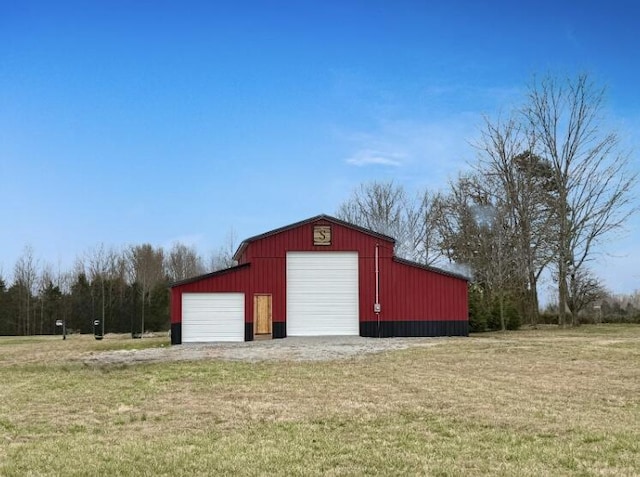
(411, 293)
(301, 240)
(269, 277)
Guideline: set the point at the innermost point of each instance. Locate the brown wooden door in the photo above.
(262, 316)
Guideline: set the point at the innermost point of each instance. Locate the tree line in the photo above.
(550, 184)
(126, 289)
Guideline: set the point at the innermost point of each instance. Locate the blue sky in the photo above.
(125, 122)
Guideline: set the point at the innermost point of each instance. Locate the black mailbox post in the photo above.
(97, 329)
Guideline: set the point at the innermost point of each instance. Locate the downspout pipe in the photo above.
(376, 305)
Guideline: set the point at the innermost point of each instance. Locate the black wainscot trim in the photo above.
(388, 329)
(279, 330)
(176, 333)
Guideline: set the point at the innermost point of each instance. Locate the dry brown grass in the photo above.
(54, 350)
(534, 402)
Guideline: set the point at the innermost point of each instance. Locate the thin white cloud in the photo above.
(428, 153)
(367, 157)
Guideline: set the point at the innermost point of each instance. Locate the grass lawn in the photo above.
(544, 402)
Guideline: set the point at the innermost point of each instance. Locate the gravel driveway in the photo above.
(288, 349)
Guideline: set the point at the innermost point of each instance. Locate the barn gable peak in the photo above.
(318, 218)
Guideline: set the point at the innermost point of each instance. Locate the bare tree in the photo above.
(100, 263)
(377, 206)
(464, 216)
(562, 180)
(64, 282)
(146, 269)
(386, 208)
(477, 232)
(499, 251)
(590, 174)
(45, 280)
(183, 262)
(522, 181)
(223, 258)
(25, 276)
(118, 271)
(584, 290)
(423, 232)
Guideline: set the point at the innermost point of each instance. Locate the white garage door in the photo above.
(322, 293)
(212, 317)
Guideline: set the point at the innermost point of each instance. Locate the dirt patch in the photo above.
(287, 349)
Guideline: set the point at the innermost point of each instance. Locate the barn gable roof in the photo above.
(245, 243)
(431, 269)
(208, 275)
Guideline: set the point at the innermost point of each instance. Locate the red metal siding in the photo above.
(269, 277)
(417, 294)
(406, 292)
(410, 293)
(301, 240)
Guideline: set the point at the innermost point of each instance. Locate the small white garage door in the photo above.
(212, 317)
(322, 293)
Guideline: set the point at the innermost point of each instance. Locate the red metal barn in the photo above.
(321, 276)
